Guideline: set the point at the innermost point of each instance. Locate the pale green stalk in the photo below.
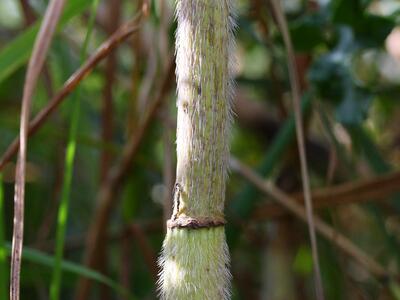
(69, 167)
(195, 257)
(3, 251)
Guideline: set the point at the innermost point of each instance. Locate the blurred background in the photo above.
(348, 61)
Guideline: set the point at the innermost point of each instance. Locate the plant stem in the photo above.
(36, 61)
(3, 252)
(295, 85)
(195, 256)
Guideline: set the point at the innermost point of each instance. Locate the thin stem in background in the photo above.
(135, 78)
(144, 246)
(107, 119)
(28, 12)
(42, 43)
(108, 194)
(125, 263)
(68, 170)
(3, 250)
(296, 95)
(107, 110)
(297, 209)
(375, 189)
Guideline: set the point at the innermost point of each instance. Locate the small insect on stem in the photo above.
(176, 198)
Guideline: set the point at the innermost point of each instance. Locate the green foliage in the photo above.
(48, 261)
(369, 30)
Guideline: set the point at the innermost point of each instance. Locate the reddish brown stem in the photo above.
(379, 188)
(146, 250)
(325, 230)
(107, 106)
(125, 261)
(29, 15)
(107, 124)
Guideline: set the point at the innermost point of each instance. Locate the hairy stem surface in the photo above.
(195, 258)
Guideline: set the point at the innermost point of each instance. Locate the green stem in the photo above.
(195, 260)
(3, 251)
(69, 167)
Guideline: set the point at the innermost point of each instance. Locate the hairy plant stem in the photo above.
(195, 258)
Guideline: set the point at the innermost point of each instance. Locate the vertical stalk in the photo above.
(296, 95)
(195, 257)
(107, 110)
(3, 251)
(36, 61)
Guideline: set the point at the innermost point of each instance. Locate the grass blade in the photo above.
(40, 258)
(69, 167)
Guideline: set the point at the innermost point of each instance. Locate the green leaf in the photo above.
(331, 75)
(303, 262)
(347, 12)
(17, 53)
(307, 33)
(369, 30)
(45, 260)
(354, 107)
(374, 30)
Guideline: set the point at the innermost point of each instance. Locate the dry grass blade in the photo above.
(36, 61)
(123, 33)
(343, 243)
(296, 95)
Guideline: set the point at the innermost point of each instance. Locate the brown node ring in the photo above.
(195, 223)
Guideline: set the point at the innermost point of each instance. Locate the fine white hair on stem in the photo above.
(195, 262)
(195, 265)
(204, 46)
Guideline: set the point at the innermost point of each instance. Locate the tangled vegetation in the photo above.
(100, 165)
